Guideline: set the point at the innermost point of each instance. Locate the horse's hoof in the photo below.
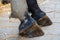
(33, 31)
(44, 21)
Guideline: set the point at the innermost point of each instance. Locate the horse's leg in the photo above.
(28, 27)
(37, 13)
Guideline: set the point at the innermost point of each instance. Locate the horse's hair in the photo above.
(18, 8)
(5, 1)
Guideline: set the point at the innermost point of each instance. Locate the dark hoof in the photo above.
(33, 31)
(45, 21)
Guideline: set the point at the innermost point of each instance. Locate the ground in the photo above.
(9, 27)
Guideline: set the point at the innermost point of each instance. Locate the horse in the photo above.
(28, 27)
